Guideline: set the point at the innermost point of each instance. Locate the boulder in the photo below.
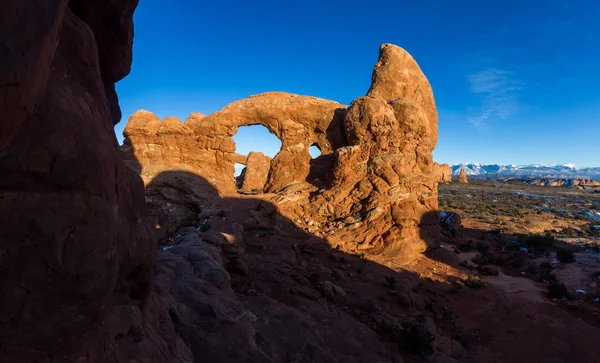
(332, 291)
(451, 222)
(256, 172)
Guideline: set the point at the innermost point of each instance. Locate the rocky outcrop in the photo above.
(462, 177)
(385, 176)
(443, 173)
(204, 145)
(397, 75)
(376, 168)
(256, 172)
(77, 252)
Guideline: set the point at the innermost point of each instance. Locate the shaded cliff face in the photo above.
(75, 247)
(376, 171)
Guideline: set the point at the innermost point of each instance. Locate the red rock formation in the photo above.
(376, 164)
(80, 279)
(257, 171)
(443, 172)
(298, 121)
(76, 250)
(386, 175)
(397, 75)
(462, 177)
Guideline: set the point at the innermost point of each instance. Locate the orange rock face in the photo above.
(204, 145)
(462, 177)
(376, 171)
(257, 172)
(443, 172)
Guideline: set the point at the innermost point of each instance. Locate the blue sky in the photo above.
(515, 82)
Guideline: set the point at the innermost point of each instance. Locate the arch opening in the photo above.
(256, 138)
(314, 150)
(255, 147)
(237, 169)
(320, 166)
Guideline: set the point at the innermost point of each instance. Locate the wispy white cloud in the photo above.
(498, 90)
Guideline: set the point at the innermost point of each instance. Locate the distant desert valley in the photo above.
(153, 251)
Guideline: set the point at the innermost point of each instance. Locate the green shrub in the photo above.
(496, 231)
(564, 255)
(459, 284)
(466, 247)
(557, 290)
(417, 339)
(546, 275)
(390, 281)
(591, 231)
(531, 269)
(517, 213)
(516, 260)
(468, 339)
(315, 278)
(369, 304)
(361, 255)
(482, 247)
(474, 282)
(539, 242)
(512, 246)
(488, 258)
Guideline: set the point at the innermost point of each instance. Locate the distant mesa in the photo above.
(531, 171)
(554, 182)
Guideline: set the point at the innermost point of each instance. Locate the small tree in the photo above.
(564, 255)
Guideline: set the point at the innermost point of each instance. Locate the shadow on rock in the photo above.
(244, 283)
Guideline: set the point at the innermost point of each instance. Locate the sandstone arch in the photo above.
(376, 172)
(298, 121)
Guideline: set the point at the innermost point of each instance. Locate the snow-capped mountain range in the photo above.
(494, 171)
